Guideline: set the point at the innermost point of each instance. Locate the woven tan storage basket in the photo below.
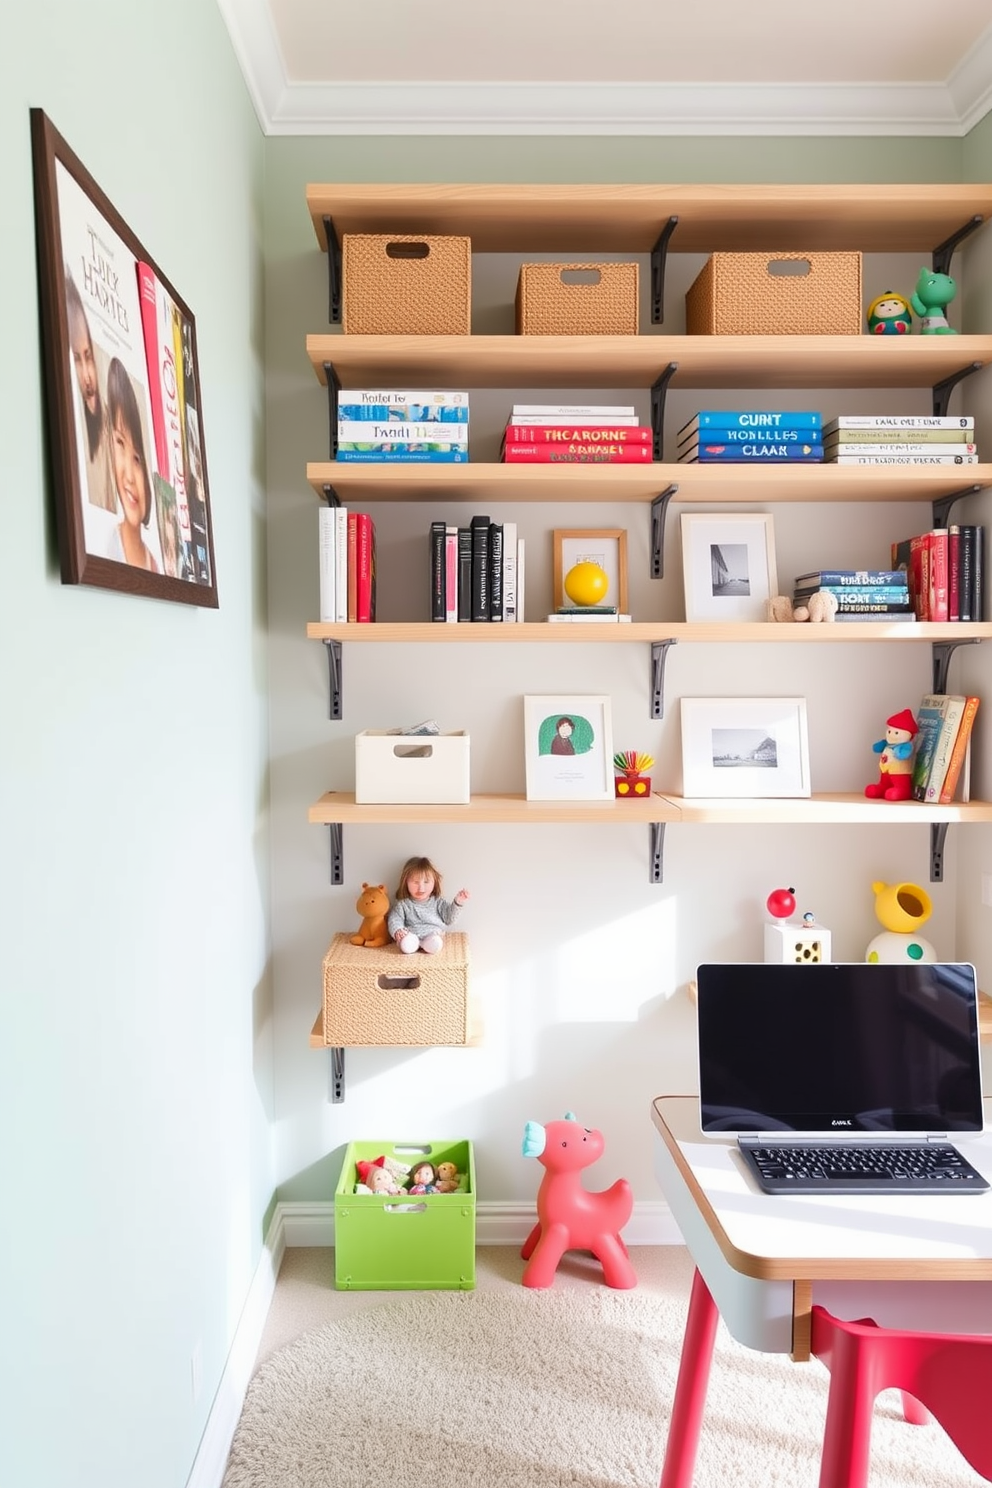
(376, 997)
(549, 305)
(404, 285)
(741, 294)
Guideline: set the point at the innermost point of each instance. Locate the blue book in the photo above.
(736, 418)
(880, 594)
(742, 454)
(404, 413)
(857, 578)
(805, 432)
(400, 457)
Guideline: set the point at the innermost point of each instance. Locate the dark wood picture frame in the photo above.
(104, 303)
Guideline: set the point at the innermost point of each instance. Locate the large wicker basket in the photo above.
(759, 294)
(404, 285)
(550, 303)
(381, 997)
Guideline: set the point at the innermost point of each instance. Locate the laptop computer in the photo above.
(863, 1069)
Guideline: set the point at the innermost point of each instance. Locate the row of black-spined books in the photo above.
(476, 572)
(945, 571)
(943, 748)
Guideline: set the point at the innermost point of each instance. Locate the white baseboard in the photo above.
(211, 1458)
(312, 1224)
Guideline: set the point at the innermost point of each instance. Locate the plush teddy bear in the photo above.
(820, 608)
(373, 905)
(447, 1178)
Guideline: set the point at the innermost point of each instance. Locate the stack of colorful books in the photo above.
(945, 568)
(376, 425)
(476, 572)
(576, 434)
(869, 439)
(943, 748)
(757, 436)
(861, 594)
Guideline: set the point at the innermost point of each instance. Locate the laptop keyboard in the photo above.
(882, 1167)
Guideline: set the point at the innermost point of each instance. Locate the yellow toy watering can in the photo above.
(902, 907)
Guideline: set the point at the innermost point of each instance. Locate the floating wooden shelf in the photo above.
(574, 219)
(638, 361)
(739, 633)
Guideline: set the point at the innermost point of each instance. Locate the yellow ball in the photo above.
(586, 584)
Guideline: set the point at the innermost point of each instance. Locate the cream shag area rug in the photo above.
(555, 1389)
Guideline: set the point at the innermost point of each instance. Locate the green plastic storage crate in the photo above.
(412, 1242)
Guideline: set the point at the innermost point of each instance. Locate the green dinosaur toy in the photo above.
(932, 294)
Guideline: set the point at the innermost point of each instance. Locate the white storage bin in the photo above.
(416, 769)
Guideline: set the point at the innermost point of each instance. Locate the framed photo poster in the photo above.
(744, 747)
(568, 748)
(728, 561)
(123, 400)
(606, 548)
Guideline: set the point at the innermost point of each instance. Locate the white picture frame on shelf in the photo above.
(728, 564)
(568, 747)
(745, 747)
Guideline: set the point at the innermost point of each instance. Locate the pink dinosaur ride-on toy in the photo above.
(568, 1216)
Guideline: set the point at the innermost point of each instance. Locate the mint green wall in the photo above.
(135, 1079)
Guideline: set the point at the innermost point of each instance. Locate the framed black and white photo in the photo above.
(123, 398)
(728, 562)
(568, 748)
(745, 747)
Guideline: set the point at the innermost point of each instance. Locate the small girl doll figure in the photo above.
(422, 1179)
(419, 916)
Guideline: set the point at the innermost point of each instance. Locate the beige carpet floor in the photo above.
(510, 1388)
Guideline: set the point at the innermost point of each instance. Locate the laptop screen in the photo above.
(839, 1048)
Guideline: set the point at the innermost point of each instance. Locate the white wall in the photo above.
(135, 1039)
(581, 964)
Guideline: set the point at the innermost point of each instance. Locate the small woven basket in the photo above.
(602, 303)
(381, 997)
(760, 294)
(404, 285)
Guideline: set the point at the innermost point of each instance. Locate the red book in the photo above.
(919, 575)
(953, 573)
(365, 568)
(602, 433)
(577, 454)
(959, 752)
(937, 545)
(352, 566)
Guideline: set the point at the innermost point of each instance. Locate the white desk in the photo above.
(921, 1262)
(762, 1260)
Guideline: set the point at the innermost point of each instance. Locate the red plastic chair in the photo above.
(948, 1374)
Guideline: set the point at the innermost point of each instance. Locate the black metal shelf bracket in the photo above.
(337, 1076)
(659, 655)
(942, 506)
(659, 255)
(658, 391)
(942, 652)
(944, 251)
(333, 388)
(942, 390)
(330, 495)
(337, 852)
(656, 865)
(938, 831)
(659, 506)
(334, 667)
(333, 272)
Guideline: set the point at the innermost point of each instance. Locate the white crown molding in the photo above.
(947, 109)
